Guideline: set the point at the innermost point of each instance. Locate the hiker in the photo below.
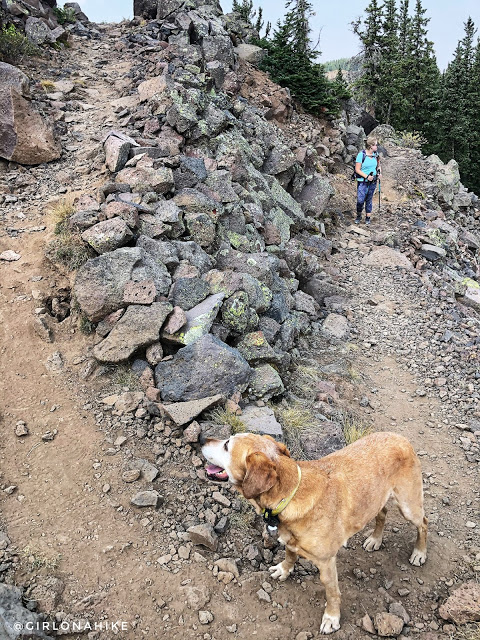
(367, 168)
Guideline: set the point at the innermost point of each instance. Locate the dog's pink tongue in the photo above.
(212, 468)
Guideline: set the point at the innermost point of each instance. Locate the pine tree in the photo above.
(370, 32)
(291, 60)
(459, 126)
(388, 92)
(340, 86)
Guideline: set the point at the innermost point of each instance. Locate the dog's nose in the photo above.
(202, 440)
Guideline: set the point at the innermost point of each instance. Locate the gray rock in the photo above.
(82, 220)
(137, 328)
(432, 252)
(10, 76)
(116, 153)
(182, 117)
(335, 327)
(147, 499)
(320, 289)
(388, 625)
(250, 53)
(145, 9)
(202, 369)
(261, 420)
(205, 617)
(255, 349)
(321, 439)
(199, 321)
(26, 138)
(218, 48)
(77, 9)
(13, 613)
(164, 253)
(203, 534)
(145, 179)
(108, 235)
(316, 195)
(265, 383)
(184, 412)
(148, 470)
(399, 610)
(37, 31)
(100, 282)
(188, 292)
(194, 255)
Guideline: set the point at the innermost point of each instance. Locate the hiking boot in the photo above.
(367, 221)
(358, 219)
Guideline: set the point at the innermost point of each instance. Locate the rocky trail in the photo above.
(405, 359)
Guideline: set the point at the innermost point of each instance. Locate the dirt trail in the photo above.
(71, 507)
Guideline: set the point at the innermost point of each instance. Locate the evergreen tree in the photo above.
(389, 90)
(291, 60)
(340, 87)
(459, 125)
(370, 32)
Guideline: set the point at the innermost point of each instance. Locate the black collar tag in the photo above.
(272, 521)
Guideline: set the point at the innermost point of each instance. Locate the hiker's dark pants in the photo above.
(365, 191)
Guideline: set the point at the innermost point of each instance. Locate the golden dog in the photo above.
(322, 503)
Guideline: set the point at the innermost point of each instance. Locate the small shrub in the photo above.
(69, 250)
(410, 139)
(65, 16)
(296, 421)
(125, 377)
(303, 381)
(48, 85)
(222, 416)
(86, 326)
(14, 46)
(60, 212)
(353, 428)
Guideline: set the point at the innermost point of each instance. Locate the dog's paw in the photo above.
(330, 624)
(279, 572)
(418, 558)
(372, 544)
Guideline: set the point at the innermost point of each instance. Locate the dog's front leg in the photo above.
(284, 569)
(328, 576)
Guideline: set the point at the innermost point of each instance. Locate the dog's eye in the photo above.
(225, 446)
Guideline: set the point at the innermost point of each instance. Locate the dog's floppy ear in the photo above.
(282, 449)
(260, 477)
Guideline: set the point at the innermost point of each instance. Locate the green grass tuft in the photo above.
(222, 416)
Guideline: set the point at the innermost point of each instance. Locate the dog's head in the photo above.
(248, 460)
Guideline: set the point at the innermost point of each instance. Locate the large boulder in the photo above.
(145, 9)
(37, 31)
(316, 195)
(250, 53)
(15, 618)
(10, 76)
(100, 283)
(138, 328)
(24, 136)
(204, 368)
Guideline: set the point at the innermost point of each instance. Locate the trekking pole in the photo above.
(379, 192)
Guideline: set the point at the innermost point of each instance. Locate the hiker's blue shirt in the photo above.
(369, 165)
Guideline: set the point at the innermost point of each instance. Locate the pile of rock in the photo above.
(209, 236)
(40, 23)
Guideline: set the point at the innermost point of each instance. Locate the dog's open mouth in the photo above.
(216, 473)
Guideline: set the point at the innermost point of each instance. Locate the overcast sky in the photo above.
(332, 20)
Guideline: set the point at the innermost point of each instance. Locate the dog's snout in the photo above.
(202, 440)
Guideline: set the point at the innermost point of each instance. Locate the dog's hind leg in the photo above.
(409, 495)
(374, 541)
(284, 569)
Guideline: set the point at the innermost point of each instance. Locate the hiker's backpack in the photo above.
(354, 160)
